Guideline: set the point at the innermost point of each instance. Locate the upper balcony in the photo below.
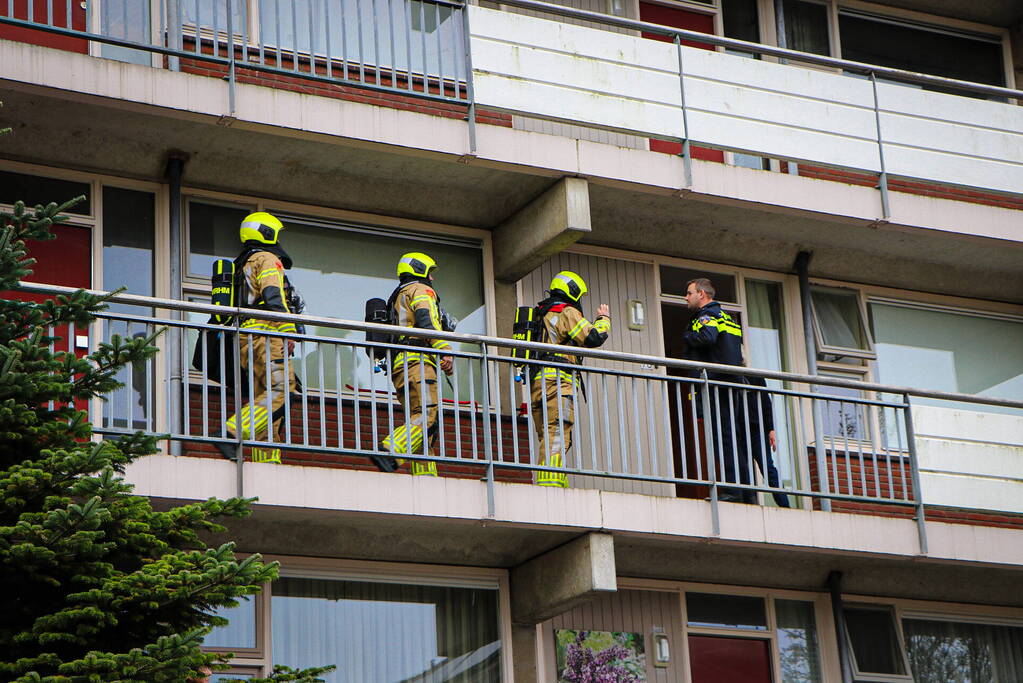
(825, 118)
(865, 469)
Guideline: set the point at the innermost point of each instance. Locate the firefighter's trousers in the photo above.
(269, 387)
(552, 398)
(414, 376)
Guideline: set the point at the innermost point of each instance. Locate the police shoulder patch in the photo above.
(704, 319)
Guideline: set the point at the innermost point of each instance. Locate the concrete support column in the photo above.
(525, 667)
(562, 578)
(544, 227)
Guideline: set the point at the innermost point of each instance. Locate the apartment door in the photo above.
(50, 12)
(714, 659)
(692, 21)
(65, 261)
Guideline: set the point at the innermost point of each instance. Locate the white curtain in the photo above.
(954, 652)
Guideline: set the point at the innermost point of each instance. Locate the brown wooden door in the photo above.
(692, 21)
(714, 659)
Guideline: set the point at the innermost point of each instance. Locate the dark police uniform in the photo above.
(715, 337)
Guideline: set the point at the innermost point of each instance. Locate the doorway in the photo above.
(719, 659)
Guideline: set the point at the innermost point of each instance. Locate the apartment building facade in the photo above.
(848, 174)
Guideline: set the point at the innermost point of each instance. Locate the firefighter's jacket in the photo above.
(265, 289)
(714, 337)
(564, 324)
(416, 305)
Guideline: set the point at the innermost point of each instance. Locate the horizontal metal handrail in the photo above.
(763, 49)
(633, 358)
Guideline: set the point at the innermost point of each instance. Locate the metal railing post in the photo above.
(914, 468)
(238, 421)
(230, 57)
(488, 446)
(469, 90)
(882, 180)
(687, 160)
(708, 445)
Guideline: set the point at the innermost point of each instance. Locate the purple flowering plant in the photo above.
(600, 657)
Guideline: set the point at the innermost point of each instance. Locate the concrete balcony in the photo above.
(405, 140)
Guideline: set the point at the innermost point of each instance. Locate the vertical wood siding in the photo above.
(630, 611)
(647, 451)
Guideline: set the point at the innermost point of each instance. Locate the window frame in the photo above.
(841, 351)
(896, 622)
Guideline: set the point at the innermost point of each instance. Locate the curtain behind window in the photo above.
(806, 27)
(387, 633)
(950, 652)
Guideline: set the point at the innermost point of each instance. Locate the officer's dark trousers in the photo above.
(740, 440)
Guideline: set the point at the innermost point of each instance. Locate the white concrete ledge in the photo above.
(524, 506)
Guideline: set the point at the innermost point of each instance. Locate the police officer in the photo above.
(414, 372)
(260, 284)
(715, 337)
(552, 390)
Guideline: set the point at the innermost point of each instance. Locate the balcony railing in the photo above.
(624, 82)
(643, 424)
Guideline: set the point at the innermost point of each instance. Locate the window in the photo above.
(839, 323)
(930, 348)
(129, 238)
(240, 632)
(212, 235)
(953, 652)
(798, 649)
(874, 640)
(843, 420)
(127, 20)
(919, 47)
(765, 340)
(740, 20)
(673, 282)
(386, 632)
(37, 190)
(806, 27)
(726, 611)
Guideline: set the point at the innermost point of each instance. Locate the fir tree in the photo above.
(96, 585)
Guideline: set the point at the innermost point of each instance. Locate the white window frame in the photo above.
(842, 351)
(873, 677)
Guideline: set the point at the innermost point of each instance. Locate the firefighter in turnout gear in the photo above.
(415, 303)
(553, 390)
(260, 284)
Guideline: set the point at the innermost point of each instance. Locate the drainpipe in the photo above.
(779, 25)
(810, 342)
(175, 167)
(835, 586)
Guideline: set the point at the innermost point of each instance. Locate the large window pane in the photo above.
(797, 642)
(940, 350)
(673, 281)
(874, 642)
(766, 343)
(950, 652)
(127, 20)
(129, 225)
(726, 611)
(212, 235)
(926, 49)
(806, 27)
(384, 633)
(240, 632)
(34, 190)
(337, 270)
(843, 420)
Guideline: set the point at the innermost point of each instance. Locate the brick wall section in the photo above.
(342, 90)
(897, 472)
(911, 187)
(460, 427)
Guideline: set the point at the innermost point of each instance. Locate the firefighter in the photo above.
(552, 390)
(260, 284)
(715, 337)
(414, 372)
